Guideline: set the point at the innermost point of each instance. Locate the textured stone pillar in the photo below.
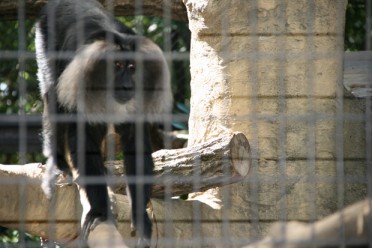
(273, 70)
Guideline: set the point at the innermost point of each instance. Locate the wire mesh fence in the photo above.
(273, 149)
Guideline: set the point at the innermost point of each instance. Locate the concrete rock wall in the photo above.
(272, 69)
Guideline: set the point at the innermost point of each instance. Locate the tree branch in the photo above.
(218, 162)
(9, 9)
(215, 163)
(350, 224)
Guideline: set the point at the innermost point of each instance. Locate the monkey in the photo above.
(95, 73)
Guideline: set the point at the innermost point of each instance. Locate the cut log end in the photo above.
(240, 154)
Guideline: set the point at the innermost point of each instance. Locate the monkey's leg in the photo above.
(90, 176)
(139, 168)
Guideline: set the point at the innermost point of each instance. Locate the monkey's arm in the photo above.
(139, 169)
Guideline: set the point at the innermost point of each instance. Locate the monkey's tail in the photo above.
(49, 178)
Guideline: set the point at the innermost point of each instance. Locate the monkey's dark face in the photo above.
(108, 78)
(124, 84)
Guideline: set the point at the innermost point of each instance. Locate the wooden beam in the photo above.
(358, 73)
(215, 163)
(349, 227)
(218, 162)
(9, 9)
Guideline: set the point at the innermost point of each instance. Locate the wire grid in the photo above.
(168, 225)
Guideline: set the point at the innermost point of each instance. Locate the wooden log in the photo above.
(218, 162)
(350, 226)
(106, 235)
(215, 163)
(358, 73)
(23, 205)
(9, 8)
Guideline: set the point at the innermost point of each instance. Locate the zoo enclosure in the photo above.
(279, 80)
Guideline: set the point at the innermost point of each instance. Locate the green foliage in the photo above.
(12, 238)
(184, 197)
(181, 109)
(18, 84)
(355, 26)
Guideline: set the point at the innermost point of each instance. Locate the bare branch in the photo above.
(218, 162)
(353, 223)
(177, 11)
